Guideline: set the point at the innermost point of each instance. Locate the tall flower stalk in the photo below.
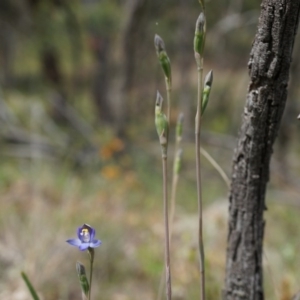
(166, 66)
(176, 171)
(199, 42)
(202, 100)
(162, 127)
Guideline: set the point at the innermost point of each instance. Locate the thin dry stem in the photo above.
(173, 202)
(175, 179)
(166, 219)
(216, 166)
(199, 61)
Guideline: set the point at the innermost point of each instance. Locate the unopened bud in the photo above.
(159, 44)
(84, 284)
(161, 123)
(199, 38)
(206, 91)
(178, 160)
(163, 56)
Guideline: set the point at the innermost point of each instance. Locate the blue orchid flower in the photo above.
(86, 238)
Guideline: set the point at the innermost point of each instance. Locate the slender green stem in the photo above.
(166, 220)
(91, 254)
(199, 61)
(202, 3)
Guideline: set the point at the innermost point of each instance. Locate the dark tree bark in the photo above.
(269, 73)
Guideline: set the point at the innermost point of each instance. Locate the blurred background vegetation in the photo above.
(78, 145)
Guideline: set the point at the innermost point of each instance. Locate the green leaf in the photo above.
(84, 283)
(30, 286)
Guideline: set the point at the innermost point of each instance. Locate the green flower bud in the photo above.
(163, 56)
(206, 91)
(159, 44)
(199, 38)
(178, 160)
(85, 287)
(161, 122)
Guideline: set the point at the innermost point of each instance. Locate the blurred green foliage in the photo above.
(115, 184)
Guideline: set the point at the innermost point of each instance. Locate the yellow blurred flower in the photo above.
(111, 172)
(117, 144)
(105, 152)
(113, 146)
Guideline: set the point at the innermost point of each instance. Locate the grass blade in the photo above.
(30, 286)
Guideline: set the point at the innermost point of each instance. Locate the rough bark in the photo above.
(269, 73)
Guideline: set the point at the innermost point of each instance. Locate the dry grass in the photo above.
(41, 210)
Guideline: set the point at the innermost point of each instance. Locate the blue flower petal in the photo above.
(83, 246)
(79, 231)
(95, 243)
(74, 242)
(92, 232)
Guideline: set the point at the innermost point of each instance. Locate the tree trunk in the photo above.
(269, 72)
